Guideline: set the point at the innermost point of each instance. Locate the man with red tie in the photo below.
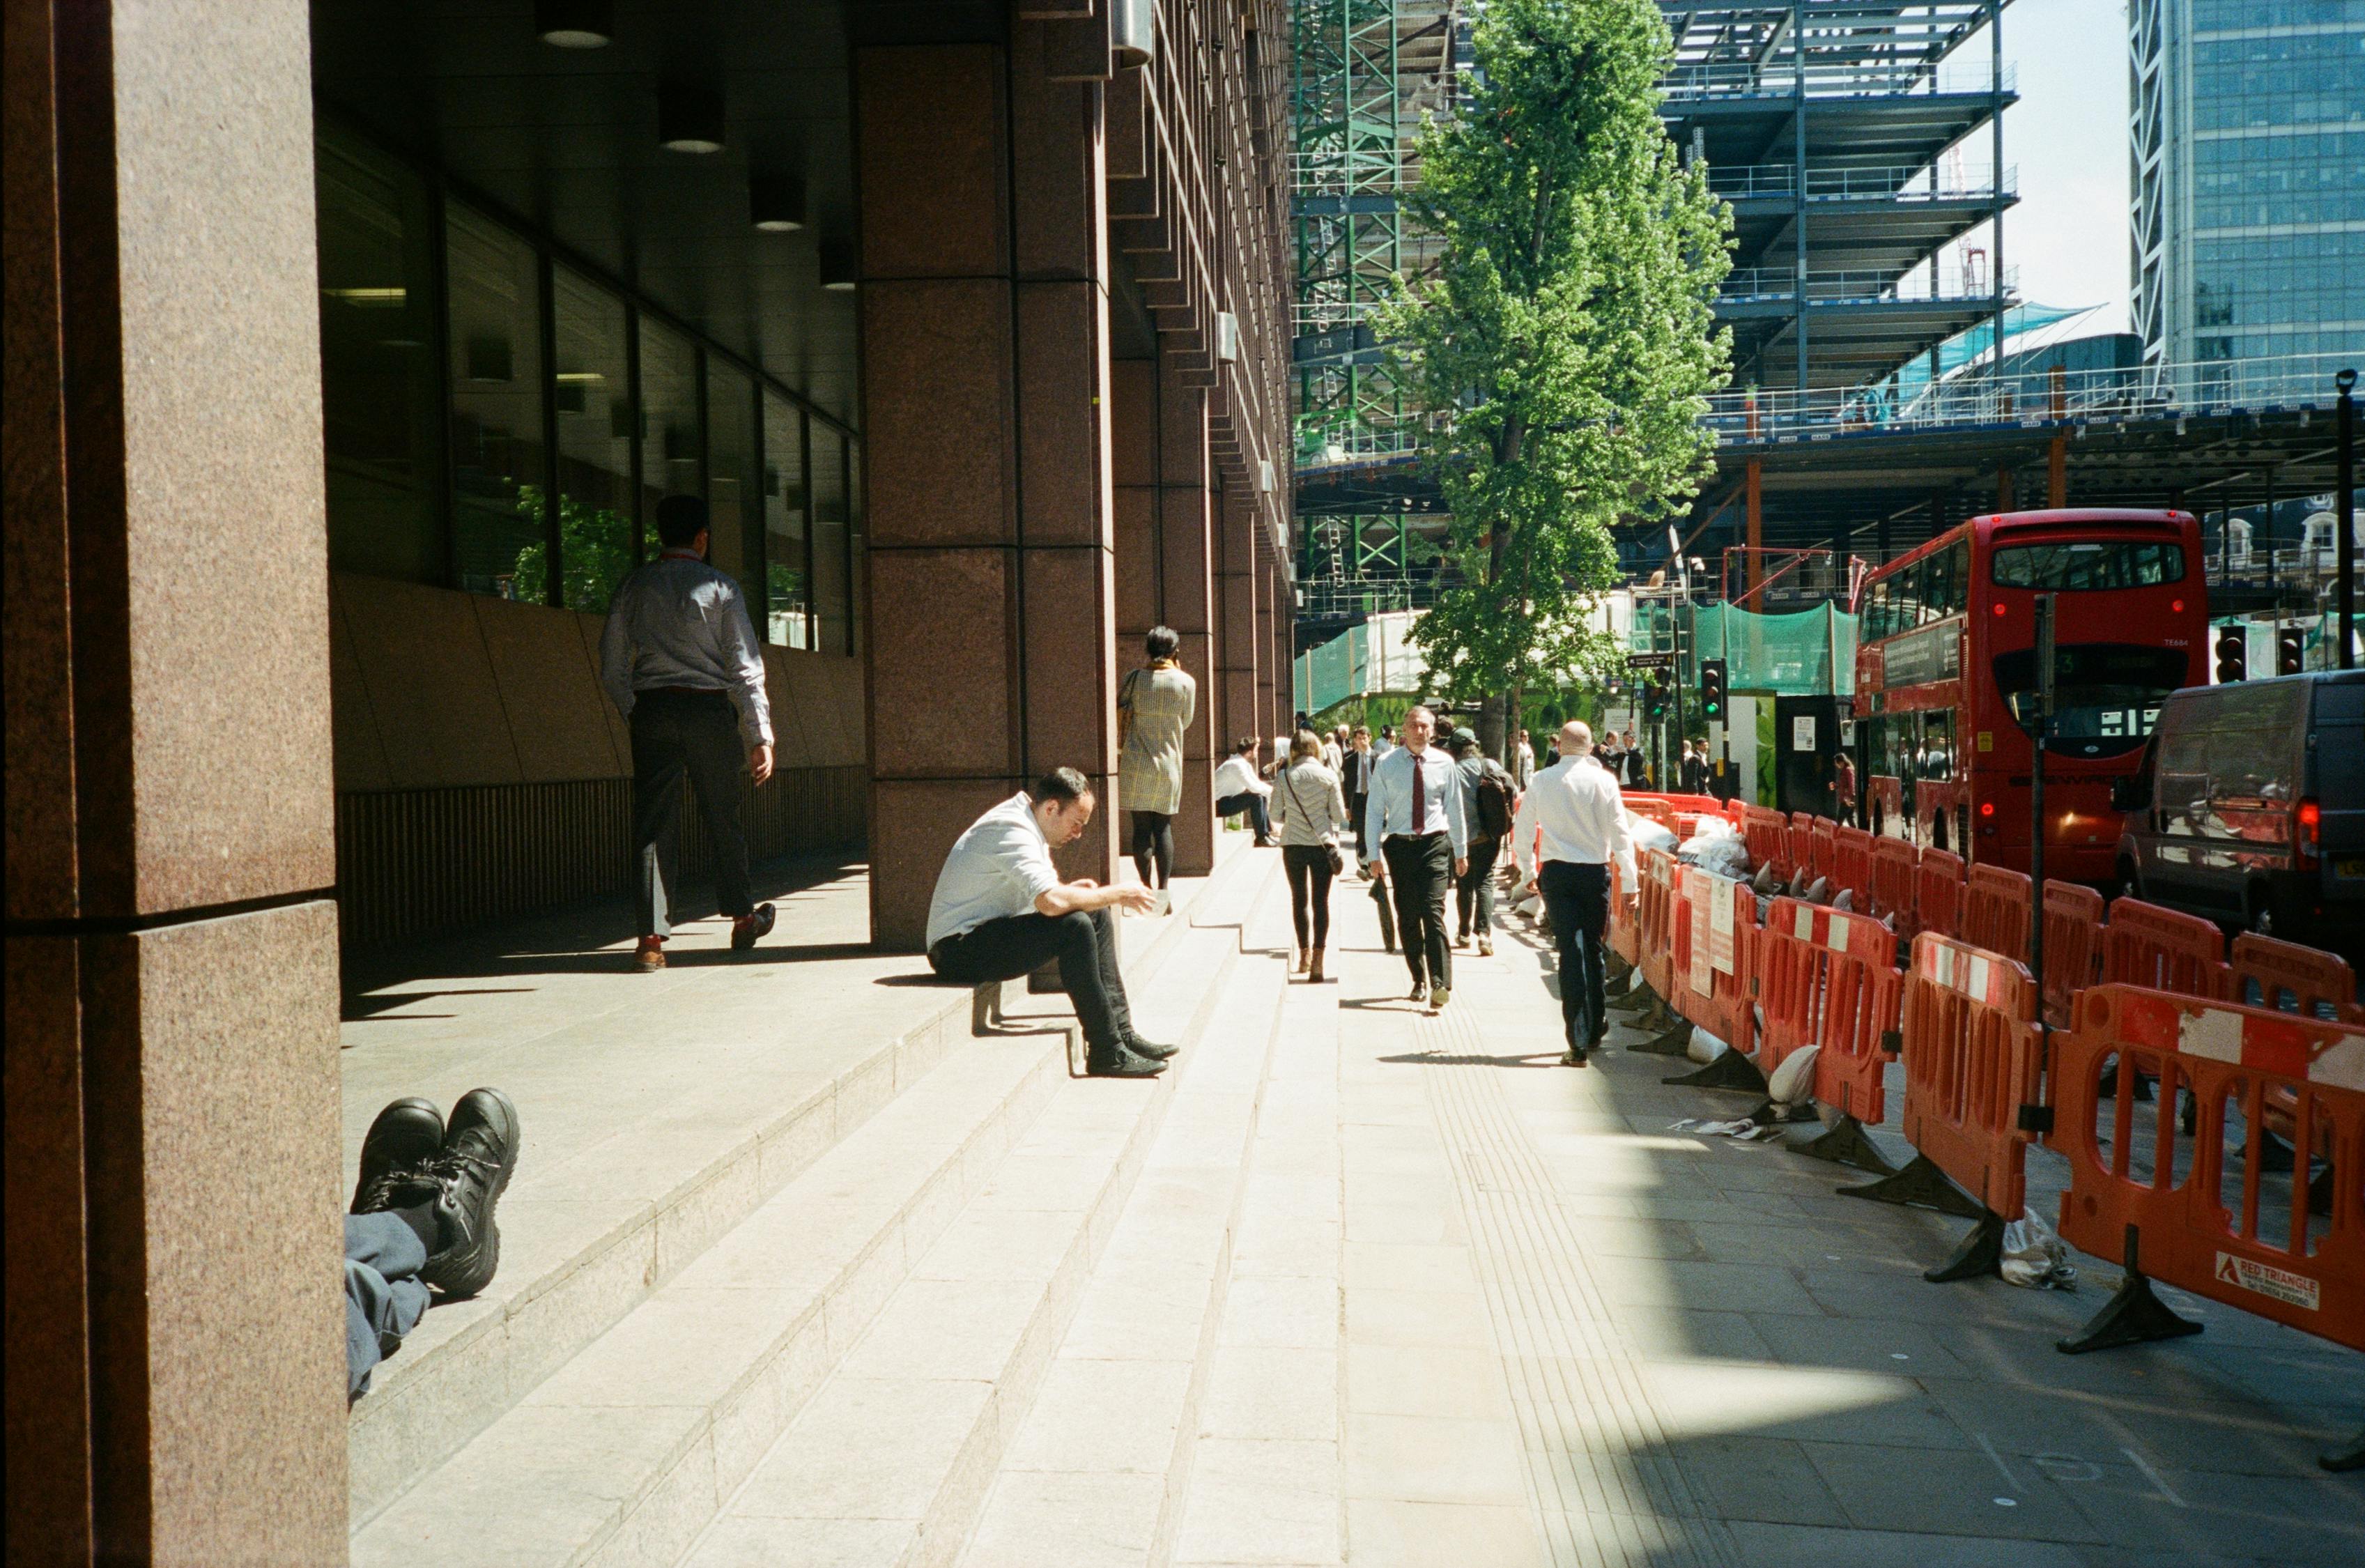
(1418, 822)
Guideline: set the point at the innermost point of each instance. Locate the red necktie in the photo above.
(1419, 800)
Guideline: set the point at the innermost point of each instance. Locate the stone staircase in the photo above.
(818, 1343)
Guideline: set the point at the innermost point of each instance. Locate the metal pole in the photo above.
(2344, 506)
(2044, 606)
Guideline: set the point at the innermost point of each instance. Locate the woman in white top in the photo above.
(1310, 811)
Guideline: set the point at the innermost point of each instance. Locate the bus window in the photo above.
(1937, 757)
(1876, 611)
(1958, 577)
(2106, 696)
(2090, 564)
(1905, 599)
(1938, 586)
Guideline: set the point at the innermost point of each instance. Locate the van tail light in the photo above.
(2308, 838)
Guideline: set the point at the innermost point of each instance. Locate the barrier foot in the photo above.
(1668, 1042)
(1922, 1184)
(2132, 1315)
(1619, 972)
(1634, 998)
(1729, 1070)
(1844, 1143)
(2274, 1154)
(2350, 1458)
(1979, 1255)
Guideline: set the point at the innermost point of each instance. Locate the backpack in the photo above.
(1494, 797)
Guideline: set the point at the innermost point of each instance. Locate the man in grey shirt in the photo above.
(680, 661)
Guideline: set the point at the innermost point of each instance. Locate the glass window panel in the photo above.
(497, 469)
(672, 444)
(733, 482)
(829, 514)
(592, 389)
(789, 621)
(380, 387)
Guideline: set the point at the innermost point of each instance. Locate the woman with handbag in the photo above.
(1309, 812)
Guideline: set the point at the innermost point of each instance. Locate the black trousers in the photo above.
(1153, 848)
(1355, 804)
(1308, 865)
(1260, 814)
(1083, 941)
(1419, 868)
(692, 737)
(1474, 890)
(1577, 898)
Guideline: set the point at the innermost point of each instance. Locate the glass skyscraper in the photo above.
(2249, 181)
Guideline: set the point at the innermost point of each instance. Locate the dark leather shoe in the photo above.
(396, 1152)
(480, 1155)
(1119, 1062)
(1149, 1048)
(749, 929)
(1576, 1057)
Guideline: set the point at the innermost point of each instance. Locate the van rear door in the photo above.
(2337, 738)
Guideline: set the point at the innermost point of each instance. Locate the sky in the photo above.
(2068, 137)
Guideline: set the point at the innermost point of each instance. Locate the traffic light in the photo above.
(1654, 701)
(2233, 654)
(1712, 690)
(2290, 649)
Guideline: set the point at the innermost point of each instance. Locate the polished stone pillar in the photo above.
(1267, 701)
(1236, 647)
(1186, 584)
(986, 392)
(175, 1324)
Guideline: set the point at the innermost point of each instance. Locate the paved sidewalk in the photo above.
(1570, 1336)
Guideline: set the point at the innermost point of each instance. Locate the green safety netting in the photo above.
(1788, 655)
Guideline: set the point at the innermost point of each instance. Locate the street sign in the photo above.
(1650, 661)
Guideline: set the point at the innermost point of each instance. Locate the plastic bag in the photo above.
(2034, 1257)
(1704, 1047)
(1794, 1081)
(1649, 834)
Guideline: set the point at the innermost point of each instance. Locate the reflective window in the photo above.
(787, 570)
(497, 469)
(830, 516)
(381, 392)
(733, 482)
(2087, 564)
(593, 393)
(672, 442)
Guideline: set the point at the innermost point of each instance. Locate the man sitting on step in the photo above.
(1000, 911)
(423, 1219)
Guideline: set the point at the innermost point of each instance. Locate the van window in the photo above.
(2084, 563)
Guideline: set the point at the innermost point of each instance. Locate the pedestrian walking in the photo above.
(1843, 787)
(680, 661)
(1240, 792)
(1334, 749)
(1523, 761)
(1310, 810)
(1355, 782)
(1694, 774)
(1575, 810)
(1491, 797)
(1154, 708)
(1415, 820)
(1000, 910)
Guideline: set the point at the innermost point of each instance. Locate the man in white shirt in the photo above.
(1000, 910)
(1575, 804)
(1416, 821)
(1239, 790)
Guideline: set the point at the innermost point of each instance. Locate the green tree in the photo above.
(1565, 343)
(594, 544)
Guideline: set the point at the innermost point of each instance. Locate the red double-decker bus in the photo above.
(1946, 676)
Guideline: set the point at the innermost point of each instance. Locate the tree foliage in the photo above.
(1565, 343)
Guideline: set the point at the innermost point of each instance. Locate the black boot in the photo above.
(1149, 1048)
(402, 1142)
(1118, 1061)
(479, 1155)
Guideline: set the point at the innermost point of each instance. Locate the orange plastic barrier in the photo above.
(1970, 1065)
(1768, 835)
(1657, 957)
(2073, 944)
(1998, 908)
(1716, 964)
(2283, 977)
(2270, 1255)
(1810, 851)
(1896, 867)
(1625, 920)
(1790, 972)
(1938, 893)
(2145, 945)
(1863, 995)
(1851, 865)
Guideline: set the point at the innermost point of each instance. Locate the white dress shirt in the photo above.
(1388, 812)
(1576, 803)
(1238, 776)
(680, 622)
(997, 869)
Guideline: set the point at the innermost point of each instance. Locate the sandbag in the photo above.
(1704, 1047)
(1649, 834)
(1794, 1081)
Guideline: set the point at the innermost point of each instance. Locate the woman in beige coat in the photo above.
(1155, 707)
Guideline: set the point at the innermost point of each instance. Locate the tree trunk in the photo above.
(1491, 723)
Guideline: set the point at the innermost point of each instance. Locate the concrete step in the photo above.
(1104, 1460)
(890, 1464)
(655, 1126)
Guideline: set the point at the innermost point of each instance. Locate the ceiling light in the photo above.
(838, 264)
(370, 298)
(689, 117)
(575, 24)
(776, 203)
(580, 375)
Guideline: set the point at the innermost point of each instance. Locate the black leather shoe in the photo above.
(1149, 1048)
(480, 1155)
(1576, 1057)
(1119, 1062)
(396, 1152)
(747, 930)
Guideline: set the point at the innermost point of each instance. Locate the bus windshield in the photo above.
(2106, 696)
(2090, 564)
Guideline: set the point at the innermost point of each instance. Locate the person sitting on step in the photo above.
(1000, 911)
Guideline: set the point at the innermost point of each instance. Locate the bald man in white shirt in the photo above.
(1575, 805)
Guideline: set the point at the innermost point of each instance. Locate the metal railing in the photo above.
(1781, 79)
(1739, 181)
(1873, 288)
